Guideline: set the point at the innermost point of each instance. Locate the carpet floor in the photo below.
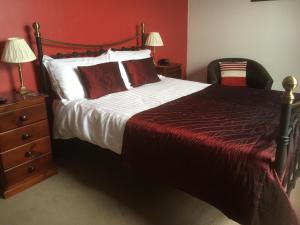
(93, 189)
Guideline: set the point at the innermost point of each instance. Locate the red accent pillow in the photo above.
(141, 71)
(233, 73)
(102, 79)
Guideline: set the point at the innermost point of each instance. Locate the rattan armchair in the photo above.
(256, 76)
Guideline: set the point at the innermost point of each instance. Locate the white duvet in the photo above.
(102, 121)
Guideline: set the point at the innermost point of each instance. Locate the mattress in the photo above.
(102, 121)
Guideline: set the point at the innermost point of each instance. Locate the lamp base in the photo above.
(23, 90)
(155, 64)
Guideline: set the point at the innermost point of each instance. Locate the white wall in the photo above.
(267, 31)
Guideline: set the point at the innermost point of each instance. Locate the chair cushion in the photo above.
(233, 73)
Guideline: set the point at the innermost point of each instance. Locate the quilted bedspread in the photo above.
(218, 145)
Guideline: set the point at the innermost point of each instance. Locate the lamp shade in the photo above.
(154, 39)
(16, 50)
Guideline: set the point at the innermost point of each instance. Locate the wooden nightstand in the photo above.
(25, 150)
(172, 70)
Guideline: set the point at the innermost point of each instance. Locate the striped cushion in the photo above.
(233, 73)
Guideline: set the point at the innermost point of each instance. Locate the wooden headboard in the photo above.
(88, 50)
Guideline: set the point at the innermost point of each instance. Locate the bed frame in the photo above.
(290, 111)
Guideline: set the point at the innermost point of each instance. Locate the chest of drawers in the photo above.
(25, 149)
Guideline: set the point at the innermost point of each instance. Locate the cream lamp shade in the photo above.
(154, 39)
(16, 50)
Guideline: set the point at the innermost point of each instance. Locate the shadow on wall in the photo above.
(7, 67)
(198, 75)
(35, 66)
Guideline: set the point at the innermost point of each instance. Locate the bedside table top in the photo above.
(170, 65)
(172, 70)
(15, 100)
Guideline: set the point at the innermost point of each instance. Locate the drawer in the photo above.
(21, 117)
(25, 153)
(175, 70)
(23, 135)
(175, 75)
(26, 170)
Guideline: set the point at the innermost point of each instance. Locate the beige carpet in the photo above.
(92, 189)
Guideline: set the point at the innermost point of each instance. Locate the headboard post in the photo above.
(289, 84)
(143, 36)
(43, 84)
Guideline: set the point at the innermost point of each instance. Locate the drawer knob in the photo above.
(26, 136)
(31, 169)
(28, 154)
(23, 117)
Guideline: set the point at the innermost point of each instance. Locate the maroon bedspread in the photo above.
(218, 145)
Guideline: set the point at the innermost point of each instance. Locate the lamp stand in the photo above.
(23, 90)
(153, 55)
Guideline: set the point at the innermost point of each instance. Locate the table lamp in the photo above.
(154, 40)
(16, 50)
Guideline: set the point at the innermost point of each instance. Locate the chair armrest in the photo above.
(259, 77)
(213, 73)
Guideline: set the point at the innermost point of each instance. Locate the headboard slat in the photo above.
(94, 49)
(78, 45)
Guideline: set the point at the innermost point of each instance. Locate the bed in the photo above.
(235, 148)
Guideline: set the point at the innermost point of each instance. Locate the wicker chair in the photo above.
(256, 76)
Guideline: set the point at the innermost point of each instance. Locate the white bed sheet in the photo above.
(102, 121)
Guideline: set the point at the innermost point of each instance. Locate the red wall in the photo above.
(90, 21)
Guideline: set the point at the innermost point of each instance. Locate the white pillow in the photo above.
(119, 56)
(64, 74)
(128, 55)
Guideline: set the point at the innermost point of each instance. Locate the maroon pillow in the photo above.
(141, 71)
(101, 79)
